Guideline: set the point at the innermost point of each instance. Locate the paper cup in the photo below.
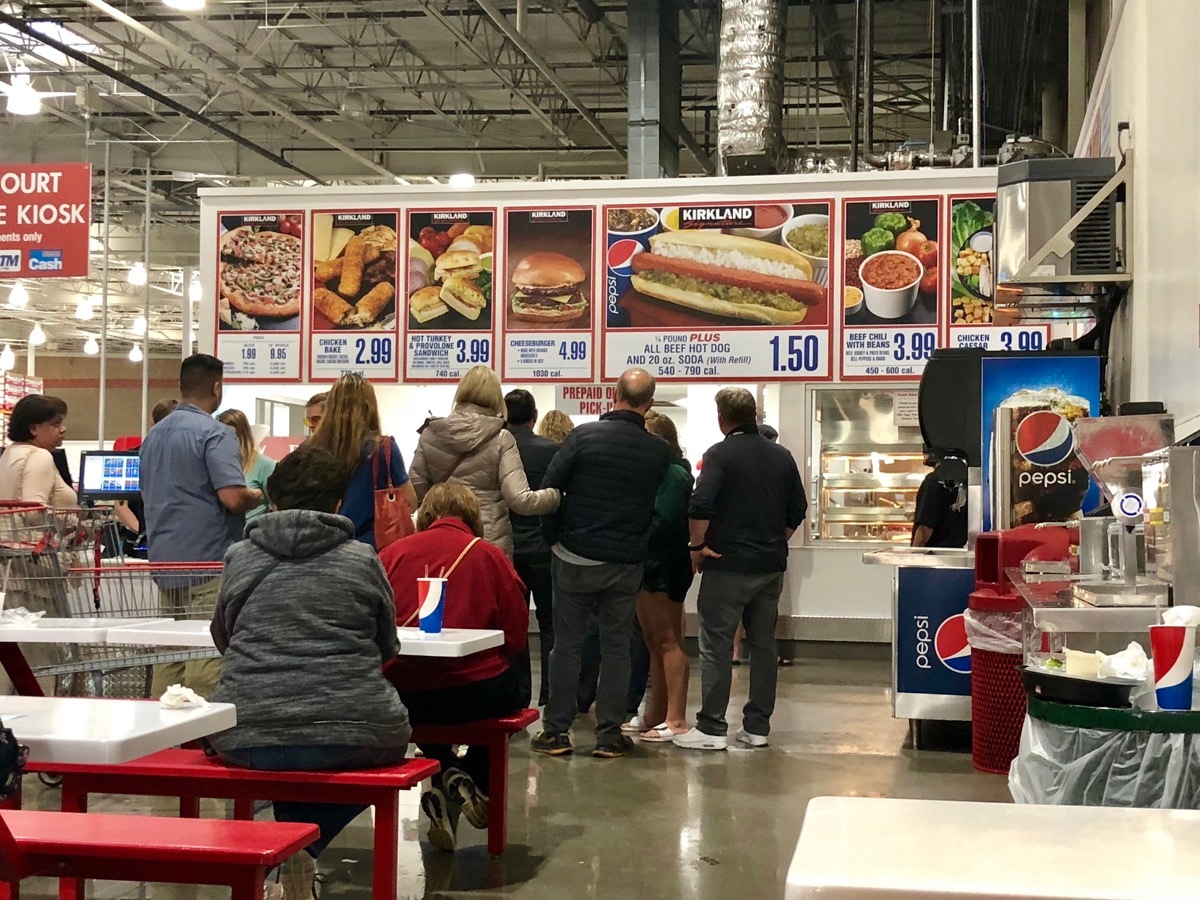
(431, 604)
(1174, 649)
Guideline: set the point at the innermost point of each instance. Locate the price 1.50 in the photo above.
(374, 352)
(796, 353)
(914, 346)
(473, 351)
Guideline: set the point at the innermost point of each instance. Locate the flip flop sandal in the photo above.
(663, 735)
(634, 725)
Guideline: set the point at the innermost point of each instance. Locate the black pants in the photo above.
(499, 696)
(639, 670)
(534, 570)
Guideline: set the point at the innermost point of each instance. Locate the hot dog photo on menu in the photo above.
(448, 284)
(721, 264)
(892, 270)
(548, 263)
(259, 271)
(354, 271)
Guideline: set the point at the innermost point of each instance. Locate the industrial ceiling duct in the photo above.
(750, 87)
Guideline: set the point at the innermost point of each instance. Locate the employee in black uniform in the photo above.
(941, 516)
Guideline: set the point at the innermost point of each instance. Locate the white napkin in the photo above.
(179, 697)
(1129, 663)
(20, 616)
(1182, 615)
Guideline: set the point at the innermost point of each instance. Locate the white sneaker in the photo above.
(695, 739)
(754, 740)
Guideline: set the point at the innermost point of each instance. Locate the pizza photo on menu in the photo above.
(259, 271)
(354, 271)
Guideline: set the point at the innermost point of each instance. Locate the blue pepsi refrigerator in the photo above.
(963, 395)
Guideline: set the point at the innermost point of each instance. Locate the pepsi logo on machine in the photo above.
(1044, 438)
(950, 644)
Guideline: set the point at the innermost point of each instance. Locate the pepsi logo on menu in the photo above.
(1044, 438)
(950, 644)
(621, 254)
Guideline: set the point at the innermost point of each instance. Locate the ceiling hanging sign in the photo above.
(353, 322)
(547, 294)
(719, 292)
(45, 214)
(260, 276)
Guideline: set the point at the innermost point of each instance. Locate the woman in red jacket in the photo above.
(482, 591)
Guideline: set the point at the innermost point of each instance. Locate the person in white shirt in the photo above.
(27, 470)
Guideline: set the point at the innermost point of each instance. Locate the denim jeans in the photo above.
(639, 669)
(331, 818)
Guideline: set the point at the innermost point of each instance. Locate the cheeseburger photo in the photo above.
(726, 275)
(548, 288)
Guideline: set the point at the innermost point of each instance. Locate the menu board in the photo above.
(448, 321)
(547, 294)
(718, 291)
(891, 284)
(975, 320)
(259, 279)
(353, 320)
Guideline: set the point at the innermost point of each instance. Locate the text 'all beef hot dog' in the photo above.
(726, 275)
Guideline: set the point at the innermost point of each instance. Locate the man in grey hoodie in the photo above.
(305, 621)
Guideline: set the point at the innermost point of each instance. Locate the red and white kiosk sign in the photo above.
(45, 213)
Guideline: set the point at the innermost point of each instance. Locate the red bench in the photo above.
(495, 735)
(190, 775)
(143, 848)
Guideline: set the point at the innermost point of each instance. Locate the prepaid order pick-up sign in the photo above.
(45, 212)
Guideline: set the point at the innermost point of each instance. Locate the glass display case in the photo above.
(867, 464)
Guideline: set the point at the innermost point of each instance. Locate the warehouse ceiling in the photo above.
(259, 92)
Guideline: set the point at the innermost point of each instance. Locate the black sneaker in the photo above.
(618, 746)
(551, 744)
(443, 819)
(462, 787)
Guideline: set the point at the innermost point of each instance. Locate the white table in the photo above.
(63, 631)
(84, 730)
(451, 643)
(860, 848)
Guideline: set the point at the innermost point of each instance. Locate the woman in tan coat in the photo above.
(472, 446)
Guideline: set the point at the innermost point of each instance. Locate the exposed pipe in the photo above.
(149, 92)
(854, 132)
(976, 105)
(250, 91)
(750, 86)
(869, 73)
(502, 22)
(146, 305)
(104, 291)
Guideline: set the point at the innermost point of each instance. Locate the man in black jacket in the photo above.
(748, 502)
(531, 555)
(609, 473)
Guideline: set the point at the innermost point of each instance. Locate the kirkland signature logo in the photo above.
(45, 260)
(10, 260)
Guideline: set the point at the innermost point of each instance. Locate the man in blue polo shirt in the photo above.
(196, 499)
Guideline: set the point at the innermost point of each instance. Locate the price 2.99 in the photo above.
(374, 352)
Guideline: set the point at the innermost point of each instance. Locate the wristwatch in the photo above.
(697, 548)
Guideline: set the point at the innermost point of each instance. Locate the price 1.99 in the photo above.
(796, 353)
(279, 353)
(376, 351)
(913, 346)
(473, 351)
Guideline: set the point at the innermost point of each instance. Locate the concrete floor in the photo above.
(662, 823)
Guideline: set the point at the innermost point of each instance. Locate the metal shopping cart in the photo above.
(52, 561)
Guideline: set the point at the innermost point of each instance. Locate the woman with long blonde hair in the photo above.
(555, 426)
(256, 466)
(472, 446)
(351, 433)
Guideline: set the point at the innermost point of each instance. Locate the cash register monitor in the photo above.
(109, 475)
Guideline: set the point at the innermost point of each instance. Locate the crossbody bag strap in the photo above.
(385, 447)
(449, 572)
(454, 468)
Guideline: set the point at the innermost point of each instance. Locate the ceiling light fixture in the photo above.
(91, 346)
(18, 296)
(185, 5)
(137, 275)
(37, 337)
(139, 325)
(8, 359)
(135, 354)
(84, 310)
(355, 103)
(462, 180)
(195, 289)
(23, 98)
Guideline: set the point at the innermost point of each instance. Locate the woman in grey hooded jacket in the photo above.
(472, 446)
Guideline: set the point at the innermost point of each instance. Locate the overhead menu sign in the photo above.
(45, 214)
(718, 292)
